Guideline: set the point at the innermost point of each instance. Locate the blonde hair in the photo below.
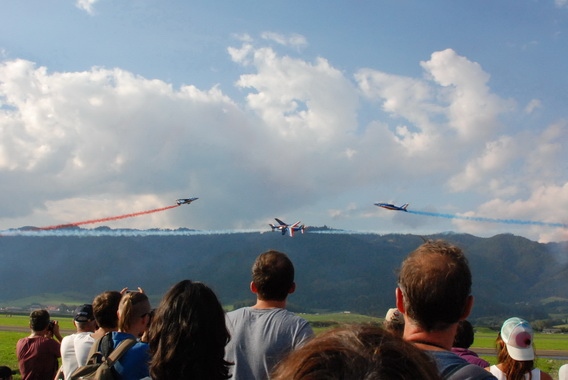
(132, 305)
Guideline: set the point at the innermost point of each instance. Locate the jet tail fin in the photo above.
(404, 206)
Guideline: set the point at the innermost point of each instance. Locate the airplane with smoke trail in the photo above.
(110, 218)
(184, 201)
(285, 227)
(390, 206)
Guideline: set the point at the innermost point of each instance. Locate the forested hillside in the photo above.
(335, 271)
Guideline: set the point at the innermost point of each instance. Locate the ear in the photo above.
(400, 300)
(253, 288)
(292, 288)
(468, 308)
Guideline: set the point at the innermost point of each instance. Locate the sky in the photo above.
(301, 110)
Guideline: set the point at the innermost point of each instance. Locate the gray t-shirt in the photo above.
(260, 338)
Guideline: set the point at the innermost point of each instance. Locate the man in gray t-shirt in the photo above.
(262, 334)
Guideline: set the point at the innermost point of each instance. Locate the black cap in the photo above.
(84, 313)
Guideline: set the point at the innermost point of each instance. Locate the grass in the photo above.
(8, 340)
(65, 323)
(322, 322)
(484, 337)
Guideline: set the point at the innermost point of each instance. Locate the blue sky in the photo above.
(306, 111)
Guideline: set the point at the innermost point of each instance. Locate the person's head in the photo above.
(515, 349)
(134, 313)
(394, 321)
(464, 335)
(105, 307)
(39, 320)
(434, 286)
(188, 334)
(84, 319)
(273, 276)
(6, 373)
(356, 352)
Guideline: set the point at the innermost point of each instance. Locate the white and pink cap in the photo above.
(518, 336)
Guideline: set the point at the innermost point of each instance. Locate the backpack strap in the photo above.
(95, 355)
(106, 345)
(119, 351)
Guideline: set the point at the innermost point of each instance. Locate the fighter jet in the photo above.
(284, 227)
(183, 201)
(390, 206)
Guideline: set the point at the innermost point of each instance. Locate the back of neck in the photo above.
(269, 304)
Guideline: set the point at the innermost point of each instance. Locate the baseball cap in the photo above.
(6, 372)
(518, 336)
(394, 316)
(84, 313)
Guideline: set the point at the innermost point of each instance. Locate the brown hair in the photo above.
(436, 282)
(356, 352)
(188, 335)
(105, 306)
(513, 369)
(273, 275)
(39, 320)
(464, 335)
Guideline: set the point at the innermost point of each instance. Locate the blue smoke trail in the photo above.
(491, 220)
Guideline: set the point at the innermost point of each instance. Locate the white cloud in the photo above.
(496, 156)
(406, 98)
(102, 142)
(297, 99)
(545, 205)
(292, 40)
(472, 109)
(561, 3)
(86, 5)
(533, 105)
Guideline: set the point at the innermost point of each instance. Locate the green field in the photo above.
(484, 338)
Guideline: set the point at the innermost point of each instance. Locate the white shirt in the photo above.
(535, 373)
(74, 351)
(563, 372)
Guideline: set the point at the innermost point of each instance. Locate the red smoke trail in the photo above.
(106, 219)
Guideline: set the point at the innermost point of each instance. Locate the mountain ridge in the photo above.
(335, 271)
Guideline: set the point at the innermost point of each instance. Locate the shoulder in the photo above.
(140, 348)
(563, 372)
(120, 336)
(285, 313)
(546, 376)
(50, 342)
(22, 342)
(84, 338)
(451, 366)
(240, 311)
(69, 337)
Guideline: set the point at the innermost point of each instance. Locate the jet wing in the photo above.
(291, 228)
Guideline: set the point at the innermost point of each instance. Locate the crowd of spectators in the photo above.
(189, 335)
